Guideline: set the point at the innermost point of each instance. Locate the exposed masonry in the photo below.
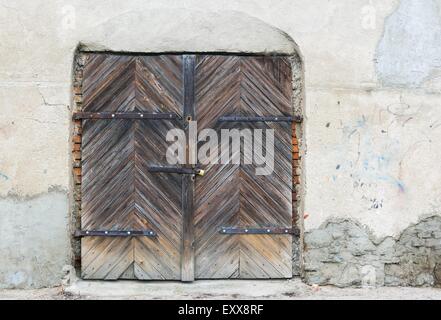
(343, 253)
(297, 100)
(296, 258)
(78, 67)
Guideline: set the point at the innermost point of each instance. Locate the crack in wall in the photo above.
(15, 196)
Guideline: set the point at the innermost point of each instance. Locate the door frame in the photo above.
(298, 99)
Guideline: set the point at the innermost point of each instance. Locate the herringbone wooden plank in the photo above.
(107, 197)
(159, 84)
(265, 256)
(105, 258)
(158, 203)
(109, 83)
(216, 194)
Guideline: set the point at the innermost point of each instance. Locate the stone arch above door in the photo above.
(175, 30)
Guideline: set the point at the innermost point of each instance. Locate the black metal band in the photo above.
(260, 119)
(125, 115)
(269, 230)
(115, 233)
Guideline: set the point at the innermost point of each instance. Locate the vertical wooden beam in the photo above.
(187, 252)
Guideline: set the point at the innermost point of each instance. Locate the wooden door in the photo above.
(119, 194)
(255, 211)
(139, 223)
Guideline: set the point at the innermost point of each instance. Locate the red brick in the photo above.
(76, 138)
(76, 155)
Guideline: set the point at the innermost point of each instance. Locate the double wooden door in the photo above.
(142, 218)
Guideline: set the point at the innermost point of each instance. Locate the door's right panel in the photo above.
(232, 195)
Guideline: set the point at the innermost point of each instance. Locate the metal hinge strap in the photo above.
(125, 115)
(115, 233)
(269, 230)
(261, 119)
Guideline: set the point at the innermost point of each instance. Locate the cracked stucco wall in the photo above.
(371, 136)
(34, 202)
(34, 242)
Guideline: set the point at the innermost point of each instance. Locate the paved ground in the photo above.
(222, 289)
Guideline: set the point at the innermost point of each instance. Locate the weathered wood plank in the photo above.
(187, 253)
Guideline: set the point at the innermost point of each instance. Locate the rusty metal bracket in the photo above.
(125, 115)
(115, 233)
(269, 230)
(261, 119)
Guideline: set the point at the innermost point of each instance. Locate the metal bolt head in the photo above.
(105, 232)
(246, 230)
(128, 232)
(113, 116)
(268, 230)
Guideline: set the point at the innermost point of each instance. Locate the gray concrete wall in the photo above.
(33, 244)
(371, 136)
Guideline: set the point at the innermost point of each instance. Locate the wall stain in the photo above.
(3, 176)
(409, 52)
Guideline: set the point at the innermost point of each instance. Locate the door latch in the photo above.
(179, 170)
(200, 172)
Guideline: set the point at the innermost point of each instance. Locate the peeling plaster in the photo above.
(409, 53)
(344, 253)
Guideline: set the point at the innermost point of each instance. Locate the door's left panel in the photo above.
(118, 193)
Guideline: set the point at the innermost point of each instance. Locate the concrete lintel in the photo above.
(174, 30)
